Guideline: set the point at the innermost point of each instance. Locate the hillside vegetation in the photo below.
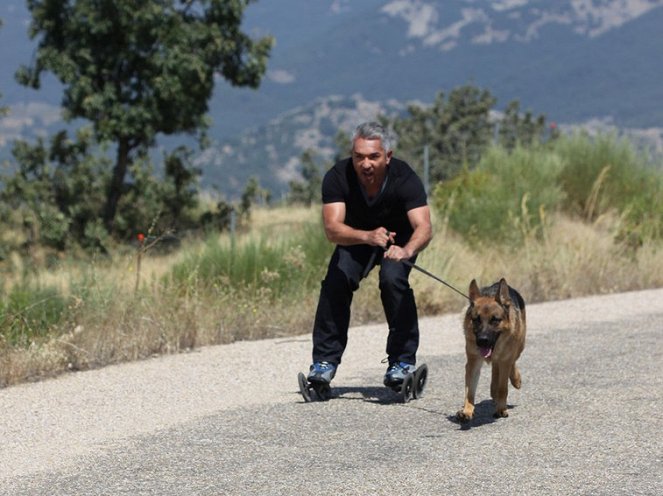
(573, 217)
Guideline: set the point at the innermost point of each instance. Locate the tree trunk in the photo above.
(117, 183)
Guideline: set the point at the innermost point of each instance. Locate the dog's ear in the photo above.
(474, 290)
(502, 295)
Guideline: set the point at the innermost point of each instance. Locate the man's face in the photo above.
(370, 163)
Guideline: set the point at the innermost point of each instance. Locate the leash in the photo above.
(374, 255)
(424, 271)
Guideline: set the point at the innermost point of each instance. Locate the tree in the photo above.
(456, 129)
(308, 190)
(3, 110)
(252, 191)
(56, 192)
(137, 68)
(515, 128)
(58, 189)
(180, 189)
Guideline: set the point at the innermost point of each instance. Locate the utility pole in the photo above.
(426, 171)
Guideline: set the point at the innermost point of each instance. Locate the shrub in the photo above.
(505, 198)
(604, 174)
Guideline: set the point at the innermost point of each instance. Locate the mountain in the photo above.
(337, 62)
(271, 152)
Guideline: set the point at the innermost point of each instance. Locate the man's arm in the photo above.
(423, 232)
(339, 233)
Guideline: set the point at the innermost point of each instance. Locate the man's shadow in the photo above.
(372, 394)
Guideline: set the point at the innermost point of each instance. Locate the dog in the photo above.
(495, 330)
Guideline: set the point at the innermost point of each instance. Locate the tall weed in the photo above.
(279, 266)
(29, 313)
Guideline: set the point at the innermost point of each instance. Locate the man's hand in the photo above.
(338, 232)
(397, 253)
(384, 238)
(420, 221)
(381, 237)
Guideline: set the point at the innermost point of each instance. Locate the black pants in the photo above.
(348, 265)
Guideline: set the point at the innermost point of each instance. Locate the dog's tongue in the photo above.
(486, 352)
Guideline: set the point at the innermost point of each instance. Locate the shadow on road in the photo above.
(483, 411)
(483, 415)
(371, 394)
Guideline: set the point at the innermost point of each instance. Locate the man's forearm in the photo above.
(344, 235)
(418, 241)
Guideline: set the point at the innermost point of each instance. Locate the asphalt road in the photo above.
(229, 419)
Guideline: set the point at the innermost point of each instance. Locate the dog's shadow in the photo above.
(483, 415)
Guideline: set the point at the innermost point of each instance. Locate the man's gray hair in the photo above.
(373, 130)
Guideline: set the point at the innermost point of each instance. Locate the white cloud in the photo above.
(35, 116)
(508, 4)
(600, 17)
(491, 35)
(450, 34)
(591, 18)
(27, 114)
(421, 17)
(290, 171)
(281, 76)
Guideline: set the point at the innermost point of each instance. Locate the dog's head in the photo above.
(487, 317)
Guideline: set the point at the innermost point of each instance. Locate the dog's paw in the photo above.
(501, 413)
(463, 417)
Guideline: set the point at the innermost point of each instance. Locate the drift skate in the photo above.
(317, 384)
(411, 386)
(313, 390)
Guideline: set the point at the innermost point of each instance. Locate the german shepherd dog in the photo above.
(495, 330)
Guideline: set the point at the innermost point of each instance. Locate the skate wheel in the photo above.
(304, 387)
(323, 391)
(407, 387)
(420, 378)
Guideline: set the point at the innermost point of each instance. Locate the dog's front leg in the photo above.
(472, 373)
(494, 381)
(500, 387)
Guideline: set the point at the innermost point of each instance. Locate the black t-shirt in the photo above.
(402, 192)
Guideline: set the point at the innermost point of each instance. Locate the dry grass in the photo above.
(573, 259)
(267, 219)
(110, 322)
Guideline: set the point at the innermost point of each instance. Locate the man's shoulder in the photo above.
(406, 184)
(400, 167)
(339, 168)
(335, 183)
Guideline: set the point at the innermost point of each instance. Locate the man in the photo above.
(375, 211)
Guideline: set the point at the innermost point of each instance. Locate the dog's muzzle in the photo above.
(486, 343)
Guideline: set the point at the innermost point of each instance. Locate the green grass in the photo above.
(30, 313)
(283, 265)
